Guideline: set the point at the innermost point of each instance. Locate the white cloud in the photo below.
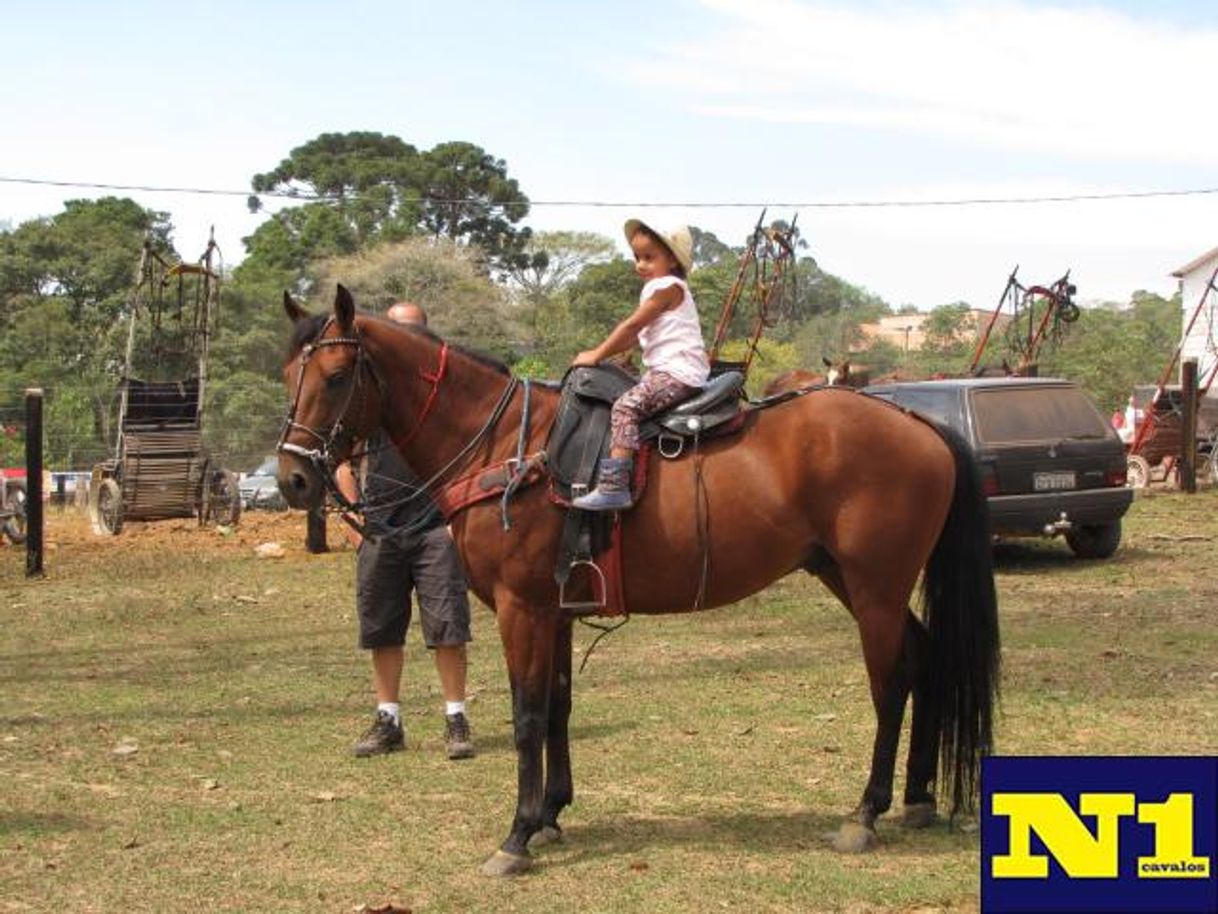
(1081, 82)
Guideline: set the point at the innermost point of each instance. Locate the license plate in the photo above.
(1051, 482)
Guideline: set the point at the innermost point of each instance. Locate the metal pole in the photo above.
(985, 336)
(33, 482)
(1188, 435)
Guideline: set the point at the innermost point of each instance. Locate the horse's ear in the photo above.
(344, 308)
(825, 359)
(295, 312)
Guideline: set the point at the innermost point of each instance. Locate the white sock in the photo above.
(454, 707)
(391, 708)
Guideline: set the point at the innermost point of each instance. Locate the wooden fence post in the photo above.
(1188, 434)
(33, 482)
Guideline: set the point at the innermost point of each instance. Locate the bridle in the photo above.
(322, 459)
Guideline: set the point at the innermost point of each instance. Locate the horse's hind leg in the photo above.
(921, 764)
(528, 644)
(890, 676)
(559, 789)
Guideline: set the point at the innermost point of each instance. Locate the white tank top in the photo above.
(672, 343)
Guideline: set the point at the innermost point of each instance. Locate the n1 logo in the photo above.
(1099, 834)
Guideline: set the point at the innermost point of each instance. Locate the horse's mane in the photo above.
(488, 360)
(307, 329)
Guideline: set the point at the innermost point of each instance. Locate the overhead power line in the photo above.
(305, 196)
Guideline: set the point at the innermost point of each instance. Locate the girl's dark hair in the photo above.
(678, 270)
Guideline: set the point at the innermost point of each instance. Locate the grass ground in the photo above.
(176, 716)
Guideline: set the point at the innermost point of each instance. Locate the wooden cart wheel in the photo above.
(14, 511)
(109, 507)
(222, 502)
(1137, 472)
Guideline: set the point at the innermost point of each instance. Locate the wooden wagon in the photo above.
(161, 468)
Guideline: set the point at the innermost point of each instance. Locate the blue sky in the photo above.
(684, 101)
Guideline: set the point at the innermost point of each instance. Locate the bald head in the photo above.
(407, 312)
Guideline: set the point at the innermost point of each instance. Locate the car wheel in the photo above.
(1137, 473)
(1094, 541)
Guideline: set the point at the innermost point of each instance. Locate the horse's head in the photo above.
(838, 373)
(334, 398)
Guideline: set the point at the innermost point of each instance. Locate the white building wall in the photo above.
(1202, 341)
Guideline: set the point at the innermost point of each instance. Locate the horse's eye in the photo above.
(336, 380)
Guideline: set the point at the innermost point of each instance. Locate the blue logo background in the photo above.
(1151, 780)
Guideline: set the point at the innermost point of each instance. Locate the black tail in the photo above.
(961, 612)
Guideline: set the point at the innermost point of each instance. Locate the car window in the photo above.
(1035, 414)
(940, 405)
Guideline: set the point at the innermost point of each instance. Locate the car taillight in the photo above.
(989, 481)
(1116, 477)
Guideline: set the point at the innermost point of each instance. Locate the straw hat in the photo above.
(677, 240)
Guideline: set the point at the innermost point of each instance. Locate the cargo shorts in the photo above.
(390, 567)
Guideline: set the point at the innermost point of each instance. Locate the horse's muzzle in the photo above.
(298, 482)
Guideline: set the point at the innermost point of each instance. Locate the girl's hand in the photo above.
(587, 357)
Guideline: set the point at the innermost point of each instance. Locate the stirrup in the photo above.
(596, 603)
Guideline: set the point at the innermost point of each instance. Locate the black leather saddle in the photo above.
(579, 437)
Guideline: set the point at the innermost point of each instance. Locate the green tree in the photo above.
(376, 188)
(370, 180)
(65, 285)
(467, 195)
(244, 412)
(949, 333)
(1111, 351)
(462, 304)
(554, 259)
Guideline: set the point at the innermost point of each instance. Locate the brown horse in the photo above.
(837, 374)
(852, 490)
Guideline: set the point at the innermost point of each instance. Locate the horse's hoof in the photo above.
(502, 863)
(549, 834)
(918, 815)
(853, 838)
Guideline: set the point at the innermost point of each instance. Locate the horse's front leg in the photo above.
(560, 789)
(529, 639)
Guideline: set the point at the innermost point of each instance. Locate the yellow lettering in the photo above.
(1173, 857)
(1081, 854)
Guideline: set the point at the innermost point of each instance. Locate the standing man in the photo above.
(410, 549)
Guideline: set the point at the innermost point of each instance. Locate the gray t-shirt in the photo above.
(388, 481)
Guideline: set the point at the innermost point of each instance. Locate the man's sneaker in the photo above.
(385, 735)
(456, 737)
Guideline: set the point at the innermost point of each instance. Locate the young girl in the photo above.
(666, 326)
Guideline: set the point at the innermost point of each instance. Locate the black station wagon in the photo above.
(1050, 463)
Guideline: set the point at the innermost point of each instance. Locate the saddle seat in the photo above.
(579, 437)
